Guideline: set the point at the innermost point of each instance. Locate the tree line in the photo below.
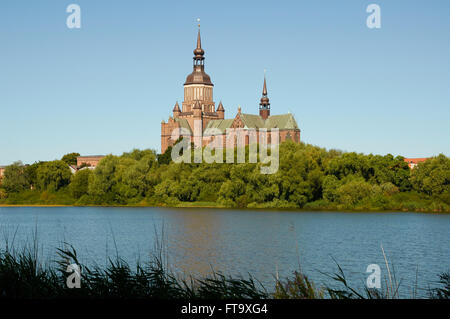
(309, 177)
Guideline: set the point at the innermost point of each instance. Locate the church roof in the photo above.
(184, 124)
(252, 120)
(198, 76)
(220, 124)
(282, 122)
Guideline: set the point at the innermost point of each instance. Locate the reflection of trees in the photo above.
(193, 241)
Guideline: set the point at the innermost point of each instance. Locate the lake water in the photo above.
(261, 243)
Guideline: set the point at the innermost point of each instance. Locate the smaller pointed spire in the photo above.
(197, 105)
(264, 99)
(265, 86)
(220, 108)
(264, 105)
(176, 108)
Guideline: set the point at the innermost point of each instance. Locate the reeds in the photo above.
(23, 275)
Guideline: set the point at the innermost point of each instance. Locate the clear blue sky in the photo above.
(106, 87)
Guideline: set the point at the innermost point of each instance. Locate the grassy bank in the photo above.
(307, 177)
(405, 202)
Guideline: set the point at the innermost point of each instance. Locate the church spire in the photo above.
(198, 76)
(199, 52)
(264, 87)
(199, 39)
(176, 108)
(264, 105)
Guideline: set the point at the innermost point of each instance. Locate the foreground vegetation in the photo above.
(309, 178)
(23, 275)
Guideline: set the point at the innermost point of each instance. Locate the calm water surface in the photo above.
(261, 243)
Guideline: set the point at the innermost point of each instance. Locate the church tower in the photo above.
(199, 116)
(198, 103)
(264, 106)
(198, 85)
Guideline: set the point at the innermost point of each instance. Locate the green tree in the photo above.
(102, 180)
(432, 177)
(53, 175)
(31, 173)
(349, 194)
(80, 183)
(330, 186)
(14, 179)
(165, 158)
(71, 158)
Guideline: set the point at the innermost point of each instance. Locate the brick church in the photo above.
(199, 107)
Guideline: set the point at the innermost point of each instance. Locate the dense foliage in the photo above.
(309, 177)
(70, 159)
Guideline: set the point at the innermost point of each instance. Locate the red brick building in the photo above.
(90, 161)
(413, 162)
(2, 171)
(198, 106)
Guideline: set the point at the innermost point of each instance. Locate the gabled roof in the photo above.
(220, 124)
(184, 124)
(252, 120)
(282, 122)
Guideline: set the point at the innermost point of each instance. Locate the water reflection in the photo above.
(241, 242)
(193, 245)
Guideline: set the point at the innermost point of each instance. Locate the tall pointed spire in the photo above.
(265, 86)
(199, 40)
(198, 52)
(198, 76)
(264, 100)
(264, 105)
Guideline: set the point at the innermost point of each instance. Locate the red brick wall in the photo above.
(90, 160)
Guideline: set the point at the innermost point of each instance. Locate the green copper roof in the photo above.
(282, 122)
(252, 121)
(184, 124)
(220, 124)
